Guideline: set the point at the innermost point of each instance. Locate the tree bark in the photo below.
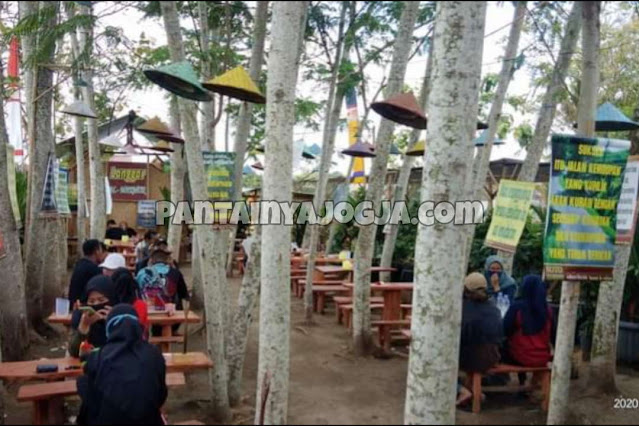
(177, 178)
(78, 130)
(208, 108)
(41, 145)
(362, 339)
(273, 370)
(434, 351)
(401, 188)
(13, 320)
(243, 128)
(603, 357)
(551, 98)
(209, 241)
(333, 109)
(243, 318)
(561, 368)
(98, 214)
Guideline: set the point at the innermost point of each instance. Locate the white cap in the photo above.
(114, 261)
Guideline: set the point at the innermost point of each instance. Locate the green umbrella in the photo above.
(179, 78)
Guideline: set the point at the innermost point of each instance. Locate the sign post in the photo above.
(128, 181)
(510, 214)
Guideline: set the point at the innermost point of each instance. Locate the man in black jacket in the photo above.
(85, 269)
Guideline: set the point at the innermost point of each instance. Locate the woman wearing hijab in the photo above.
(498, 280)
(125, 381)
(528, 325)
(126, 290)
(90, 326)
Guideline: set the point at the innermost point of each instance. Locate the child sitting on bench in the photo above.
(125, 381)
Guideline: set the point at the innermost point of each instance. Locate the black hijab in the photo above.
(533, 305)
(103, 285)
(125, 367)
(126, 288)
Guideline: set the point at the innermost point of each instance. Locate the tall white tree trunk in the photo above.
(207, 132)
(41, 145)
(362, 340)
(603, 356)
(96, 167)
(243, 128)
(333, 110)
(177, 178)
(437, 297)
(209, 241)
(78, 130)
(13, 319)
(549, 103)
(561, 368)
(477, 179)
(273, 370)
(401, 187)
(243, 318)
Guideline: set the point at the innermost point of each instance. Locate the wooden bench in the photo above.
(301, 285)
(384, 330)
(541, 376)
(164, 342)
(347, 311)
(320, 292)
(48, 398)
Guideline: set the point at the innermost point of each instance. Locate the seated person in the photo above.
(126, 230)
(481, 330)
(143, 248)
(112, 262)
(498, 280)
(528, 325)
(90, 326)
(126, 291)
(125, 381)
(160, 281)
(85, 269)
(160, 243)
(113, 232)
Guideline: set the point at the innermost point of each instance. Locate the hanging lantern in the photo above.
(360, 149)
(111, 140)
(156, 128)
(79, 109)
(417, 150)
(237, 84)
(179, 78)
(402, 109)
(162, 146)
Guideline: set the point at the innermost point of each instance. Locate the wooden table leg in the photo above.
(476, 392)
(545, 389)
(392, 306)
(320, 302)
(41, 412)
(167, 331)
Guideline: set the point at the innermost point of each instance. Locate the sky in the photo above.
(153, 102)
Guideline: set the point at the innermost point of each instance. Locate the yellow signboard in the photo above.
(509, 214)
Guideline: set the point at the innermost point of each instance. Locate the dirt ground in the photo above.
(328, 385)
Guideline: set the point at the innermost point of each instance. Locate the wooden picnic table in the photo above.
(392, 293)
(321, 271)
(24, 371)
(161, 319)
(121, 247)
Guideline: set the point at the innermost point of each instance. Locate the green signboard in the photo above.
(585, 185)
(220, 167)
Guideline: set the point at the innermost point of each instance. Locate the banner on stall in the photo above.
(146, 214)
(585, 186)
(128, 181)
(11, 180)
(627, 208)
(510, 213)
(48, 205)
(62, 192)
(358, 175)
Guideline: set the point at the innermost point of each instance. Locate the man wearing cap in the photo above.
(482, 330)
(112, 262)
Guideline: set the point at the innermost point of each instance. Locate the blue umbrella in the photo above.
(247, 170)
(609, 118)
(314, 149)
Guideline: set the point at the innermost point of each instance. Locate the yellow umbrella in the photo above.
(236, 83)
(417, 150)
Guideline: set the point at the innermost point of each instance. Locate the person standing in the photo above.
(85, 269)
(113, 232)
